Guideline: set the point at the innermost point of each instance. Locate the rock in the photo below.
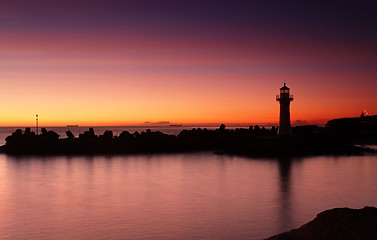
(70, 134)
(337, 224)
(44, 131)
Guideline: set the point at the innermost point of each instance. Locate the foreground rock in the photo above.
(337, 224)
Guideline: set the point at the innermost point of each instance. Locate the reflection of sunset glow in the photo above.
(128, 74)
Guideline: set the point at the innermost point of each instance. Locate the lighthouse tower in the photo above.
(285, 120)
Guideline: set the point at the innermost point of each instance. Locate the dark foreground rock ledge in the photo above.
(337, 224)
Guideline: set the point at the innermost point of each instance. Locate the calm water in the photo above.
(178, 196)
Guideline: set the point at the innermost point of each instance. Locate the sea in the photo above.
(186, 196)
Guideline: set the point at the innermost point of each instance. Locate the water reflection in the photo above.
(176, 196)
(285, 210)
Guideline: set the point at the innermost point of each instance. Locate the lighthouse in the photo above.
(285, 120)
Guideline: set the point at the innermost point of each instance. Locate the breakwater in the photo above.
(254, 141)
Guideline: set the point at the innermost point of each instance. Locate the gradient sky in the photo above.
(127, 62)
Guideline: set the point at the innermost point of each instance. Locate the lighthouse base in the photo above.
(284, 131)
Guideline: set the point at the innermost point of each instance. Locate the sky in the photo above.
(116, 62)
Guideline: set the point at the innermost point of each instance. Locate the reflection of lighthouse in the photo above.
(285, 121)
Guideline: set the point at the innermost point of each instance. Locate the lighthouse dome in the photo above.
(284, 87)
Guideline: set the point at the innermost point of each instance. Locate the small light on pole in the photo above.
(36, 121)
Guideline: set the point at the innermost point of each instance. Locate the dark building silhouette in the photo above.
(285, 120)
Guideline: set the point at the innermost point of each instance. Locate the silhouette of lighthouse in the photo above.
(285, 120)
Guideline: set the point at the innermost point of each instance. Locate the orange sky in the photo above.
(187, 73)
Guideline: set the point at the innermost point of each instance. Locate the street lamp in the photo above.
(36, 121)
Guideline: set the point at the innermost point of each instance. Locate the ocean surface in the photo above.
(175, 196)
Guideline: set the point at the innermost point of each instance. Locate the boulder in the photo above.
(337, 224)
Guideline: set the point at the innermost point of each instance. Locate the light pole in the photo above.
(36, 121)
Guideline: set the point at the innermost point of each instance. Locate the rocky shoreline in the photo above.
(254, 142)
(337, 224)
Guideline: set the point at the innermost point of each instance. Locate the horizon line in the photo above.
(169, 125)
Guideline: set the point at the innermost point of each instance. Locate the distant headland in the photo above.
(338, 137)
